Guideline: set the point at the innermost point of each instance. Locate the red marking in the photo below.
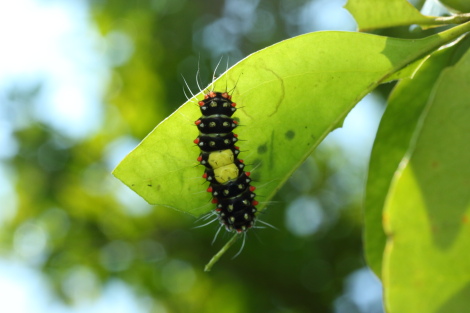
(239, 231)
(254, 202)
(201, 103)
(235, 135)
(240, 160)
(225, 95)
(211, 94)
(214, 200)
(198, 122)
(209, 189)
(236, 148)
(218, 210)
(199, 158)
(196, 141)
(248, 174)
(235, 122)
(234, 104)
(205, 175)
(252, 188)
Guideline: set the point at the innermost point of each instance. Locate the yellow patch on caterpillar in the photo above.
(225, 173)
(221, 158)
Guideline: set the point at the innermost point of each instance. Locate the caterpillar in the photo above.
(229, 185)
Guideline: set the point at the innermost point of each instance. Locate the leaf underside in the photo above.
(289, 96)
(393, 139)
(427, 211)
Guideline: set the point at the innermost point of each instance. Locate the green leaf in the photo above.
(373, 14)
(457, 5)
(406, 72)
(426, 266)
(289, 95)
(398, 123)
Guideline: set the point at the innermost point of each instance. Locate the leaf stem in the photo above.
(221, 252)
(454, 19)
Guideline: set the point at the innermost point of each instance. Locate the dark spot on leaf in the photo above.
(290, 134)
(150, 185)
(262, 149)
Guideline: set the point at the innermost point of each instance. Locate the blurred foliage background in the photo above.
(65, 215)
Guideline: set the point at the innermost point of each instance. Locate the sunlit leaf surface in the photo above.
(290, 96)
(405, 106)
(426, 267)
(373, 14)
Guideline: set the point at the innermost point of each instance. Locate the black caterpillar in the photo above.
(229, 184)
